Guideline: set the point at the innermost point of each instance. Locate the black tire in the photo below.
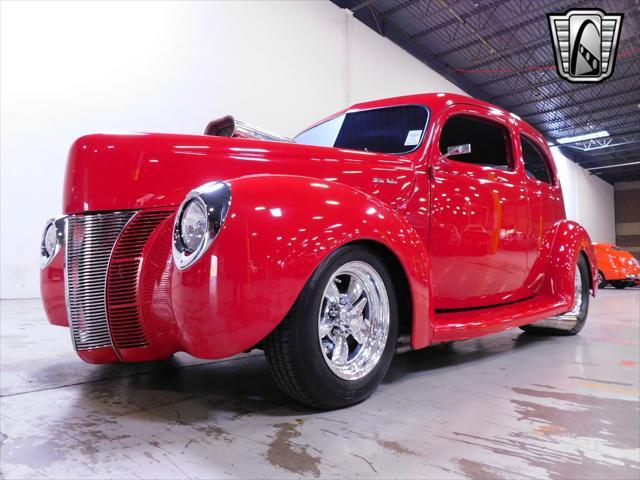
(293, 349)
(603, 280)
(583, 267)
(619, 284)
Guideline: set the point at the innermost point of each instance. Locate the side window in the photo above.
(489, 141)
(534, 162)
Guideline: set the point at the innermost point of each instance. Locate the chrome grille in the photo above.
(122, 283)
(89, 244)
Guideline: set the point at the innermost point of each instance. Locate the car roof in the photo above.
(440, 101)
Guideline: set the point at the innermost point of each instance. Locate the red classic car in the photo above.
(392, 224)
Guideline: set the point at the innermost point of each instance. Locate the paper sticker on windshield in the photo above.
(413, 137)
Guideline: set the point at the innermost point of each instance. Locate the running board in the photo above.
(460, 325)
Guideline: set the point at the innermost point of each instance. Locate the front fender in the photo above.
(278, 230)
(570, 241)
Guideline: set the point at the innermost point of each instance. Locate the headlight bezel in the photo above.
(57, 224)
(215, 200)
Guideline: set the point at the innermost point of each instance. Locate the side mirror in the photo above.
(463, 149)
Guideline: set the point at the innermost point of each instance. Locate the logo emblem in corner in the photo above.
(585, 42)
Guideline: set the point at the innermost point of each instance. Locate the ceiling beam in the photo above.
(363, 4)
(397, 8)
(622, 134)
(510, 92)
(493, 81)
(611, 125)
(595, 89)
(577, 125)
(491, 31)
(587, 102)
(461, 18)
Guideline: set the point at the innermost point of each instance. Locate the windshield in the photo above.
(384, 130)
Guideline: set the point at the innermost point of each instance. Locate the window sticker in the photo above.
(413, 137)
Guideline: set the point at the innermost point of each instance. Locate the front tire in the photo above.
(571, 322)
(603, 280)
(337, 342)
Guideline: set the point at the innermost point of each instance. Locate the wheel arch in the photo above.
(400, 282)
(279, 229)
(592, 279)
(570, 242)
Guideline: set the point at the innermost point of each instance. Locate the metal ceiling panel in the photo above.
(501, 51)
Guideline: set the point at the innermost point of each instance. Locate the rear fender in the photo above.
(570, 241)
(278, 230)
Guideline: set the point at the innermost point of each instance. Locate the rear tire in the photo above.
(306, 352)
(579, 311)
(619, 284)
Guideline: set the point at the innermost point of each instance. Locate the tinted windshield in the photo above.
(385, 130)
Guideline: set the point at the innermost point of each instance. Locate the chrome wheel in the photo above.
(353, 322)
(577, 294)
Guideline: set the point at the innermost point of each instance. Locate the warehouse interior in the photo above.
(508, 405)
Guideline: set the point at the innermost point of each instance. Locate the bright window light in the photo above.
(586, 136)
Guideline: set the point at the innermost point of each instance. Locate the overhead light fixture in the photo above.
(586, 136)
(613, 166)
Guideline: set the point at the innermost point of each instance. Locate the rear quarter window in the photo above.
(536, 164)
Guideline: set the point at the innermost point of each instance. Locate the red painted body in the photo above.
(508, 261)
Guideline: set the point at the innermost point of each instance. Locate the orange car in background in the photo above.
(616, 266)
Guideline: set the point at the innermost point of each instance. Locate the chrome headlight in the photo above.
(51, 240)
(193, 225)
(198, 221)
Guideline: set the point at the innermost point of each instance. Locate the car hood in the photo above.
(134, 171)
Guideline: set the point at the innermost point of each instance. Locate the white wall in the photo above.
(70, 68)
(587, 199)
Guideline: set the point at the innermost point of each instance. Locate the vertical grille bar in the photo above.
(89, 245)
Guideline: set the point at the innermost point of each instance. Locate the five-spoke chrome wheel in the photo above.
(353, 322)
(337, 342)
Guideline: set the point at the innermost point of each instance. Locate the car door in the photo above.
(479, 211)
(545, 204)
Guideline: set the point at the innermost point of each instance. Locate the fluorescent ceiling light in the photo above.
(586, 136)
(614, 166)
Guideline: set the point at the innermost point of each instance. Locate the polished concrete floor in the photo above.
(506, 406)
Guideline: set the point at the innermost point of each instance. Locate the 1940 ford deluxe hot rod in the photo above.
(418, 219)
